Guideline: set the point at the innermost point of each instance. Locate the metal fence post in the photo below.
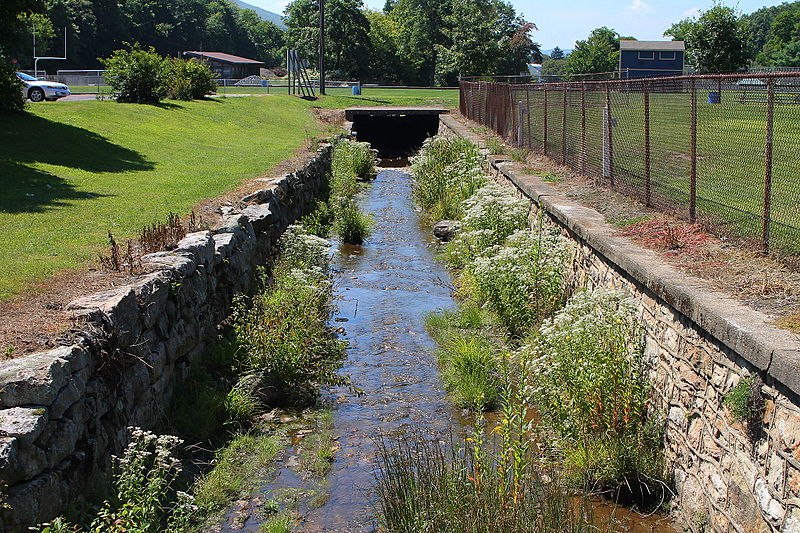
(528, 108)
(608, 145)
(583, 128)
(564, 127)
(647, 143)
(544, 122)
(765, 223)
(693, 142)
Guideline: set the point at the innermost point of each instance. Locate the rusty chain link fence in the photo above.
(722, 150)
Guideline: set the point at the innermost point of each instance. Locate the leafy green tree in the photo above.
(269, 39)
(487, 37)
(757, 26)
(422, 27)
(557, 53)
(781, 49)
(715, 42)
(598, 53)
(385, 65)
(346, 34)
(554, 68)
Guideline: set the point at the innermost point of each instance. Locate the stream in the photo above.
(384, 289)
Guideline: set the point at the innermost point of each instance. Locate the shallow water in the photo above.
(384, 289)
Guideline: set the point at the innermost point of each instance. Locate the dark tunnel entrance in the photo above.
(394, 132)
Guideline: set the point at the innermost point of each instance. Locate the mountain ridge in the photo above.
(263, 13)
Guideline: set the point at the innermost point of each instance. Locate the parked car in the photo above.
(38, 91)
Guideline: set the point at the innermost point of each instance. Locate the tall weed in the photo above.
(352, 226)
(447, 171)
(590, 385)
(523, 282)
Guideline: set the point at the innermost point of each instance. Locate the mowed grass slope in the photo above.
(73, 171)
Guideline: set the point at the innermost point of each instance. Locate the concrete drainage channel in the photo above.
(61, 417)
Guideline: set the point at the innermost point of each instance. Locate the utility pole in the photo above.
(321, 46)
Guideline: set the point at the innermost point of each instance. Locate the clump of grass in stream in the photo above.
(474, 487)
(352, 161)
(471, 371)
(317, 449)
(352, 226)
(588, 380)
(282, 522)
(235, 470)
(447, 171)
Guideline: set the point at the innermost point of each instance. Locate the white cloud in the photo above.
(638, 6)
(694, 12)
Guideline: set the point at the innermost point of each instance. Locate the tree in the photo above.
(782, 47)
(557, 53)
(422, 28)
(269, 39)
(715, 42)
(487, 37)
(346, 34)
(598, 53)
(385, 65)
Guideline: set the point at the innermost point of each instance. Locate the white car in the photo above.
(39, 91)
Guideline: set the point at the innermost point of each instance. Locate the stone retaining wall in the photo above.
(64, 412)
(701, 343)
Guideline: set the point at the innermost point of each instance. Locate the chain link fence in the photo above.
(721, 150)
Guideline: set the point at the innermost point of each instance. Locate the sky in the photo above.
(562, 23)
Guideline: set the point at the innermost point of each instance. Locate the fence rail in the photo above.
(721, 150)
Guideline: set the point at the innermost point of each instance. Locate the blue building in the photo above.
(647, 59)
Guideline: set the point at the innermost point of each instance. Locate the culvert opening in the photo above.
(394, 133)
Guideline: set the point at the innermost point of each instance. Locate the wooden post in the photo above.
(528, 107)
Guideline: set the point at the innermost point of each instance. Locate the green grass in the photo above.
(73, 171)
(236, 470)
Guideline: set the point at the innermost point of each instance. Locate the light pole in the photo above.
(322, 47)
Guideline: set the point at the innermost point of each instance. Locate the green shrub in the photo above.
(589, 383)
(523, 282)
(188, 79)
(302, 251)
(746, 403)
(447, 171)
(137, 75)
(11, 97)
(490, 216)
(352, 226)
(198, 410)
(471, 371)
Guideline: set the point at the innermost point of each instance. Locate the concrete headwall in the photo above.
(700, 344)
(64, 412)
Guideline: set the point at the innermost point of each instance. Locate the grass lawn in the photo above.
(73, 171)
(418, 97)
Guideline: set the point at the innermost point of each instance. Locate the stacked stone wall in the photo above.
(64, 412)
(701, 343)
